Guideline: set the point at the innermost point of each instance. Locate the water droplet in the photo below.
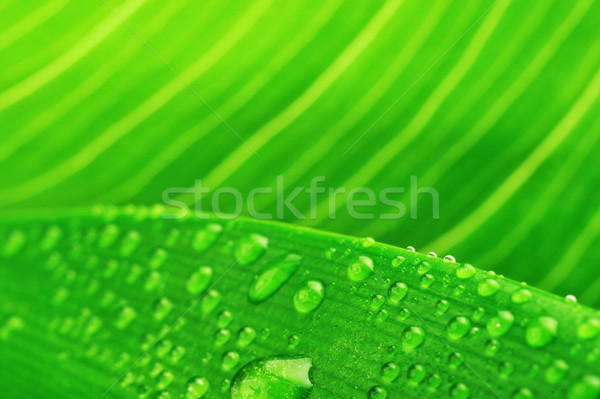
(541, 331)
(273, 378)
(458, 327)
(449, 259)
(416, 373)
(588, 329)
(390, 371)
(478, 314)
(426, 281)
(50, 239)
(230, 360)
(246, 336)
(460, 391)
(163, 348)
(177, 353)
(224, 319)
(423, 268)
(205, 238)
(377, 392)
(361, 269)
(222, 336)
(441, 307)
(523, 393)
(398, 261)
(125, 317)
(465, 271)
(488, 287)
(571, 298)
(377, 301)
(277, 274)
(199, 281)
(397, 292)
(157, 259)
(434, 381)
(249, 248)
(506, 369)
(210, 302)
(500, 324)
(492, 347)
(556, 371)
(309, 297)
(521, 296)
(432, 254)
(162, 307)
(455, 360)
(410, 248)
(293, 341)
(367, 242)
(412, 337)
(164, 380)
(587, 388)
(108, 236)
(130, 243)
(196, 388)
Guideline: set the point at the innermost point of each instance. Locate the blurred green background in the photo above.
(494, 104)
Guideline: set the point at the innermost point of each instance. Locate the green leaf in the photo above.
(185, 312)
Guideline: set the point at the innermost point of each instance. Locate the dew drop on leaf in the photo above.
(249, 248)
(309, 297)
(465, 271)
(397, 292)
(199, 280)
(521, 296)
(196, 388)
(488, 287)
(541, 331)
(556, 371)
(458, 327)
(205, 238)
(278, 273)
(390, 371)
(416, 373)
(412, 337)
(361, 269)
(377, 392)
(500, 324)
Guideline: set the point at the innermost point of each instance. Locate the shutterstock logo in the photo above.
(319, 201)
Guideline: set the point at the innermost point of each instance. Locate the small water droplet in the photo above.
(229, 360)
(458, 327)
(588, 329)
(412, 337)
(162, 307)
(377, 392)
(125, 317)
(276, 274)
(556, 371)
(441, 307)
(361, 269)
(196, 388)
(449, 259)
(390, 371)
(397, 292)
(205, 238)
(164, 380)
(246, 336)
(199, 280)
(488, 287)
(309, 297)
(541, 331)
(465, 271)
(521, 296)
(249, 248)
(410, 248)
(398, 261)
(460, 391)
(571, 298)
(426, 281)
(157, 259)
(500, 324)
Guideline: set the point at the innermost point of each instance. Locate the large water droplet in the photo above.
(249, 248)
(465, 271)
(309, 297)
(488, 287)
(267, 283)
(273, 378)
